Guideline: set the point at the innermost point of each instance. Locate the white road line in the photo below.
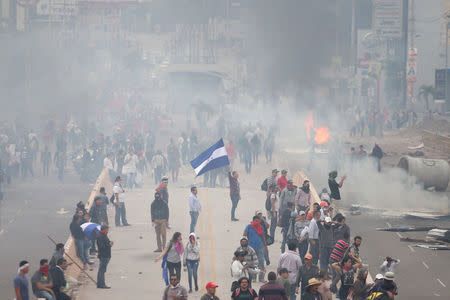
(2, 231)
(425, 265)
(399, 235)
(441, 282)
(10, 221)
(411, 248)
(388, 224)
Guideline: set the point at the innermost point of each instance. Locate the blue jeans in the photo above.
(325, 257)
(80, 246)
(102, 270)
(192, 267)
(260, 253)
(314, 251)
(194, 217)
(121, 213)
(44, 294)
(131, 179)
(293, 287)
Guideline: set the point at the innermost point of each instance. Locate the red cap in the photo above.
(324, 203)
(211, 285)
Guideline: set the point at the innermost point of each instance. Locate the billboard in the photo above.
(387, 18)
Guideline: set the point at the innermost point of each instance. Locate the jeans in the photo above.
(121, 213)
(325, 257)
(131, 180)
(314, 250)
(293, 287)
(273, 224)
(80, 246)
(102, 270)
(174, 268)
(192, 267)
(284, 231)
(302, 249)
(194, 217)
(260, 253)
(234, 203)
(160, 230)
(44, 294)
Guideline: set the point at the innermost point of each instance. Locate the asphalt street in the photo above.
(30, 210)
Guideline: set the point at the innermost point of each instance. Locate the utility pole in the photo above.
(412, 31)
(405, 50)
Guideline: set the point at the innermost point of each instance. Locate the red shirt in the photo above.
(282, 183)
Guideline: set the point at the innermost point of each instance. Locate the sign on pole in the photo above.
(387, 18)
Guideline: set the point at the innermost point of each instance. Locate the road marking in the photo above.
(202, 252)
(10, 221)
(441, 282)
(399, 235)
(411, 248)
(2, 231)
(425, 265)
(388, 224)
(211, 239)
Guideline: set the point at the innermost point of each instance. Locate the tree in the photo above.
(425, 91)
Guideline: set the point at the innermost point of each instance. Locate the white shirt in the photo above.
(194, 204)
(130, 166)
(117, 189)
(384, 267)
(107, 164)
(236, 270)
(313, 230)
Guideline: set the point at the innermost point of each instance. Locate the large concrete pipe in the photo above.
(430, 172)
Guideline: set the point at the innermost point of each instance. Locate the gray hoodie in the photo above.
(191, 251)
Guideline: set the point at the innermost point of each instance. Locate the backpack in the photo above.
(268, 203)
(264, 186)
(348, 277)
(238, 290)
(375, 295)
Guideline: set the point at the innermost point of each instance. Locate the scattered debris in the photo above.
(406, 228)
(440, 234)
(427, 241)
(416, 153)
(62, 211)
(355, 209)
(416, 147)
(433, 247)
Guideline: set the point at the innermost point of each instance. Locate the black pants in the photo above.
(234, 203)
(174, 269)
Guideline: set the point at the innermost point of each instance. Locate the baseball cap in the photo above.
(165, 178)
(308, 256)
(211, 285)
(258, 212)
(275, 171)
(244, 238)
(301, 213)
(379, 276)
(327, 220)
(324, 204)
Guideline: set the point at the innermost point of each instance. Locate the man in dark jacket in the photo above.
(98, 212)
(235, 192)
(160, 214)
(104, 255)
(59, 280)
(326, 242)
(377, 154)
(272, 290)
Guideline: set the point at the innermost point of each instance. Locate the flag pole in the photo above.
(82, 270)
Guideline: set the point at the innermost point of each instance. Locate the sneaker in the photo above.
(262, 280)
(127, 224)
(190, 291)
(104, 287)
(158, 250)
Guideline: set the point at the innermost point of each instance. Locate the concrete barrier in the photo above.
(73, 271)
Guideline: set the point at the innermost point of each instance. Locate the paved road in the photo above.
(27, 214)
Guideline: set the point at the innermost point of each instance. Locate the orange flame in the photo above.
(322, 134)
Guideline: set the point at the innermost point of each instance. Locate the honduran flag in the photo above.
(89, 227)
(212, 158)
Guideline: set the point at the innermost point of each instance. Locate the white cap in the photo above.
(327, 220)
(302, 213)
(272, 196)
(379, 276)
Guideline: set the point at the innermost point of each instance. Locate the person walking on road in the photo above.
(326, 242)
(46, 159)
(389, 265)
(335, 196)
(305, 273)
(251, 258)
(313, 235)
(272, 290)
(119, 202)
(41, 282)
(210, 292)
(256, 240)
(287, 195)
(159, 164)
(244, 291)
(21, 282)
(159, 214)
(104, 255)
(194, 208)
(235, 192)
(174, 250)
(303, 197)
(282, 181)
(311, 290)
(290, 260)
(129, 168)
(191, 259)
(301, 234)
(175, 291)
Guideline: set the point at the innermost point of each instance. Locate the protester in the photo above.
(256, 240)
(361, 287)
(174, 250)
(59, 253)
(163, 189)
(244, 291)
(335, 196)
(98, 212)
(303, 197)
(239, 268)
(313, 235)
(324, 288)
(336, 256)
(104, 255)
(283, 279)
(175, 291)
(282, 181)
(305, 273)
(377, 154)
(191, 259)
(389, 265)
(129, 168)
(287, 225)
(159, 215)
(210, 292)
(341, 228)
(251, 258)
(21, 282)
(194, 208)
(119, 195)
(272, 290)
(235, 192)
(353, 250)
(60, 285)
(80, 238)
(301, 234)
(41, 282)
(102, 194)
(46, 159)
(346, 271)
(290, 260)
(311, 290)
(272, 212)
(287, 195)
(173, 157)
(326, 242)
(159, 165)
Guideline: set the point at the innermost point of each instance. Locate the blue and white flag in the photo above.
(214, 157)
(89, 227)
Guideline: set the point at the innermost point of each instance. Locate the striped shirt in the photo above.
(339, 250)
